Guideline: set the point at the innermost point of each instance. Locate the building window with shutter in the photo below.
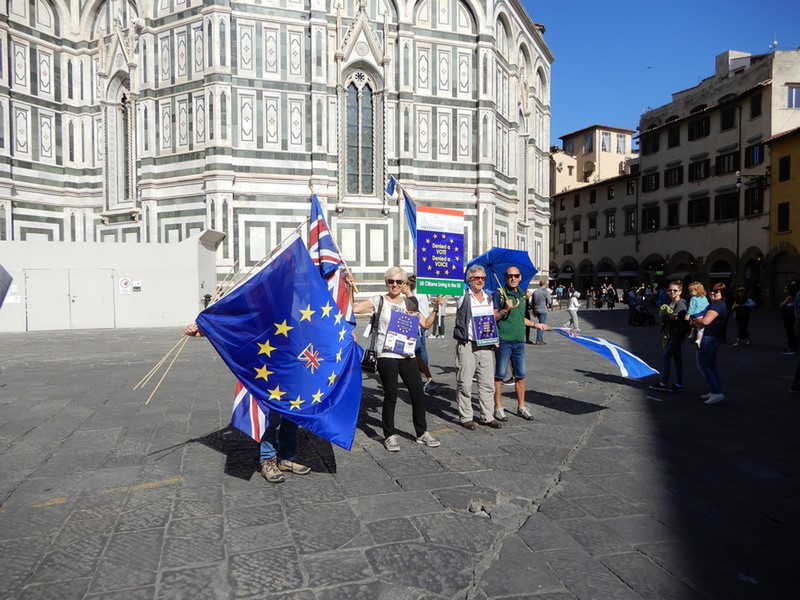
(650, 218)
(673, 176)
(699, 170)
(699, 128)
(783, 217)
(727, 118)
(630, 221)
(727, 163)
(784, 168)
(753, 201)
(726, 206)
(650, 182)
(753, 155)
(674, 136)
(673, 214)
(697, 211)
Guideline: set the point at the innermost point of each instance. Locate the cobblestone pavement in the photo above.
(612, 492)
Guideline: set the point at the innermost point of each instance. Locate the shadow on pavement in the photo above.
(563, 404)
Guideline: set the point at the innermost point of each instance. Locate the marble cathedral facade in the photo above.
(148, 121)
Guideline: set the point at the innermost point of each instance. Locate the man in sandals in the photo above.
(278, 450)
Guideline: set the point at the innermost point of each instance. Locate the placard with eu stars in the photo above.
(440, 251)
(284, 338)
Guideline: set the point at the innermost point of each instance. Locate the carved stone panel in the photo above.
(22, 120)
(20, 52)
(464, 73)
(444, 131)
(464, 134)
(271, 50)
(183, 122)
(165, 58)
(246, 55)
(46, 137)
(182, 54)
(166, 125)
(296, 123)
(273, 120)
(443, 61)
(423, 132)
(247, 118)
(296, 57)
(199, 119)
(423, 69)
(45, 72)
(199, 49)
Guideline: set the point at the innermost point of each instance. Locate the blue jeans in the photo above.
(672, 352)
(421, 348)
(279, 439)
(514, 351)
(542, 316)
(707, 362)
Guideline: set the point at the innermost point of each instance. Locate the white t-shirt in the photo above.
(573, 303)
(383, 324)
(487, 301)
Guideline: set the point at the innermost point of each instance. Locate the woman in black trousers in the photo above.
(392, 365)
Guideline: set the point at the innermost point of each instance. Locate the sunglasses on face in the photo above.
(510, 275)
(477, 278)
(394, 282)
(674, 291)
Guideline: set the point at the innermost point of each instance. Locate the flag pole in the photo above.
(344, 262)
(271, 253)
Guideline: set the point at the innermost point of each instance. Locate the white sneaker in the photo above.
(428, 440)
(390, 443)
(714, 398)
(706, 396)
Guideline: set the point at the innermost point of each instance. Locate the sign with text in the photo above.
(440, 251)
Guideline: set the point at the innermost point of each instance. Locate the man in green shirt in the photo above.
(509, 310)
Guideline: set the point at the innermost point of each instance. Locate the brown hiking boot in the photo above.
(270, 471)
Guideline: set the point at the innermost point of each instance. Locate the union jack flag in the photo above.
(247, 415)
(311, 358)
(325, 255)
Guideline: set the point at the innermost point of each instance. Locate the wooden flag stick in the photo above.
(174, 358)
(221, 286)
(144, 379)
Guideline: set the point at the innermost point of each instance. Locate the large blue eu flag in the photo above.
(284, 338)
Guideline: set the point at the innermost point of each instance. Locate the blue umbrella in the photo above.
(497, 260)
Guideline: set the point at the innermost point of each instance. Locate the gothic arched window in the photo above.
(71, 143)
(144, 122)
(223, 116)
(360, 135)
(210, 45)
(211, 116)
(222, 44)
(69, 79)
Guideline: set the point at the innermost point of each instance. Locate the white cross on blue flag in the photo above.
(629, 364)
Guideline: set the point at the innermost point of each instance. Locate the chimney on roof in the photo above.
(731, 60)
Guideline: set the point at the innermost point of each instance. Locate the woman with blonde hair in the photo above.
(697, 308)
(393, 364)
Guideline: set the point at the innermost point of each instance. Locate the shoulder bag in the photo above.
(369, 362)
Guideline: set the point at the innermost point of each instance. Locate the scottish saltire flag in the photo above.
(325, 255)
(284, 338)
(247, 415)
(629, 364)
(411, 217)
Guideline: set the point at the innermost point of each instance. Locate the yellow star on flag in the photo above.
(435, 236)
(295, 403)
(326, 310)
(430, 268)
(275, 394)
(424, 259)
(262, 373)
(338, 318)
(341, 334)
(283, 328)
(428, 241)
(424, 249)
(339, 355)
(317, 397)
(447, 272)
(456, 248)
(306, 314)
(332, 378)
(266, 348)
(438, 272)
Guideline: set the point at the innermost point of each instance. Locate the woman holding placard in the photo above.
(397, 325)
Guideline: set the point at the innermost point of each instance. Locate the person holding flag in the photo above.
(509, 311)
(398, 325)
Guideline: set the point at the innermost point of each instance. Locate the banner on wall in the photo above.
(440, 251)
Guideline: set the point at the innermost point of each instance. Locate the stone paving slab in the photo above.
(607, 494)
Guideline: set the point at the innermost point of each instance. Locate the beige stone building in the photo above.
(701, 205)
(590, 155)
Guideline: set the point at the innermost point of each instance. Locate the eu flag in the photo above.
(284, 338)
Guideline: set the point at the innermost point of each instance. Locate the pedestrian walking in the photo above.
(542, 301)
(714, 324)
(742, 305)
(787, 309)
(572, 310)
